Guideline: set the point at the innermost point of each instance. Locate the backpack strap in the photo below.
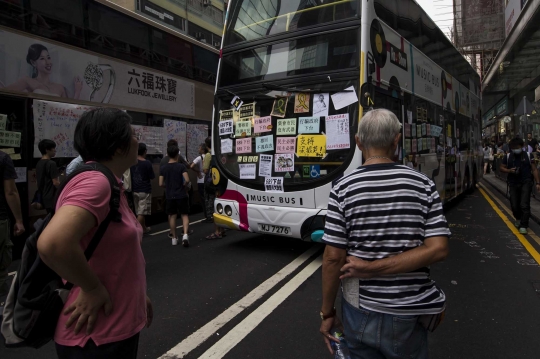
(114, 204)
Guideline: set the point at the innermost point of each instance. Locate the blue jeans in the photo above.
(373, 335)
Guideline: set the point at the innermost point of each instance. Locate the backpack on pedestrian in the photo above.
(209, 185)
(37, 294)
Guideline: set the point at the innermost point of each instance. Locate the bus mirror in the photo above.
(366, 95)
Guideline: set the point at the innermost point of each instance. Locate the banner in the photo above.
(56, 121)
(196, 134)
(175, 130)
(152, 137)
(43, 68)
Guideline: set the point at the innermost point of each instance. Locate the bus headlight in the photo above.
(219, 208)
(228, 211)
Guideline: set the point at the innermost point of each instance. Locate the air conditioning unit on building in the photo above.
(207, 2)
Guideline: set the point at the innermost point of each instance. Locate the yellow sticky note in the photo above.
(311, 146)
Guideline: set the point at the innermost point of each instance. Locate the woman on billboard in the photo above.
(38, 57)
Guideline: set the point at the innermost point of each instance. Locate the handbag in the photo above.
(37, 201)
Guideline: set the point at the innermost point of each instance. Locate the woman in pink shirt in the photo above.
(108, 306)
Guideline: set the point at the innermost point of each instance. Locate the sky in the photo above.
(440, 11)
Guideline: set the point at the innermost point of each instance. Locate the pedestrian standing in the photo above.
(531, 142)
(384, 227)
(488, 158)
(197, 166)
(47, 175)
(522, 171)
(9, 200)
(174, 177)
(141, 176)
(108, 306)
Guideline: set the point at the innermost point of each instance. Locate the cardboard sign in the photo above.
(301, 103)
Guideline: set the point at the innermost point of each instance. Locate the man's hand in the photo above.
(18, 229)
(326, 326)
(357, 268)
(86, 307)
(149, 312)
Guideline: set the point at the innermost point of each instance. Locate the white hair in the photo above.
(378, 129)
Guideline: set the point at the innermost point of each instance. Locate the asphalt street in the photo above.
(258, 296)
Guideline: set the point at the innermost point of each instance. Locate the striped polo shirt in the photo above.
(379, 211)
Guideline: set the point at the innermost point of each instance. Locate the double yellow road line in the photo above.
(488, 195)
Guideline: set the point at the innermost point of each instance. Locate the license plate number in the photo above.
(268, 228)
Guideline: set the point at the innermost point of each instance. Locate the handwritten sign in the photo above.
(3, 121)
(247, 159)
(284, 162)
(407, 130)
(424, 129)
(263, 124)
(301, 102)
(195, 136)
(152, 137)
(226, 145)
(308, 124)
(342, 99)
(286, 126)
(413, 130)
(436, 130)
(264, 143)
(243, 128)
(407, 146)
(248, 171)
(175, 130)
(280, 107)
(337, 132)
(54, 119)
(226, 115)
(247, 112)
(414, 146)
(311, 146)
(225, 127)
(21, 174)
(243, 145)
(10, 138)
(273, 184)
(265, 165)
(286, 145)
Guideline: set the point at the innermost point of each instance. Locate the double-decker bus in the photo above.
(295, 78)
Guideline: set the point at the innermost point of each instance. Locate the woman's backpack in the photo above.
(37, 294)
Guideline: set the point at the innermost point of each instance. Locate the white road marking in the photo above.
(167, 230)
(238, 333)
(201, 335)
(11, 273)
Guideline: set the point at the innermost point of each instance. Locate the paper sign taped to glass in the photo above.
(311, 146)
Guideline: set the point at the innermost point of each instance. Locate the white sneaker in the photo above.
(185, 240)
(174, 241)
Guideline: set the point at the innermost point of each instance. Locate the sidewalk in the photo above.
(500, 185)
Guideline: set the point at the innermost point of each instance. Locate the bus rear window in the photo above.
(253, 20)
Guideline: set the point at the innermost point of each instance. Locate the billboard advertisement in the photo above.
(46, 69)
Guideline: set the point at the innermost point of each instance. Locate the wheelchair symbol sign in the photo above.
(315, 171)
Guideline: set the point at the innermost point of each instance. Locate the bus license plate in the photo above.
(268, 228)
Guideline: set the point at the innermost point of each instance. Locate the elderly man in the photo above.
(385, 226)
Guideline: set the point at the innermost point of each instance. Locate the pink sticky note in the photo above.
(263, 124)
(243, 145)
(286, 145)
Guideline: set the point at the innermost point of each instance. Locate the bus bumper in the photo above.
(228, 222)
